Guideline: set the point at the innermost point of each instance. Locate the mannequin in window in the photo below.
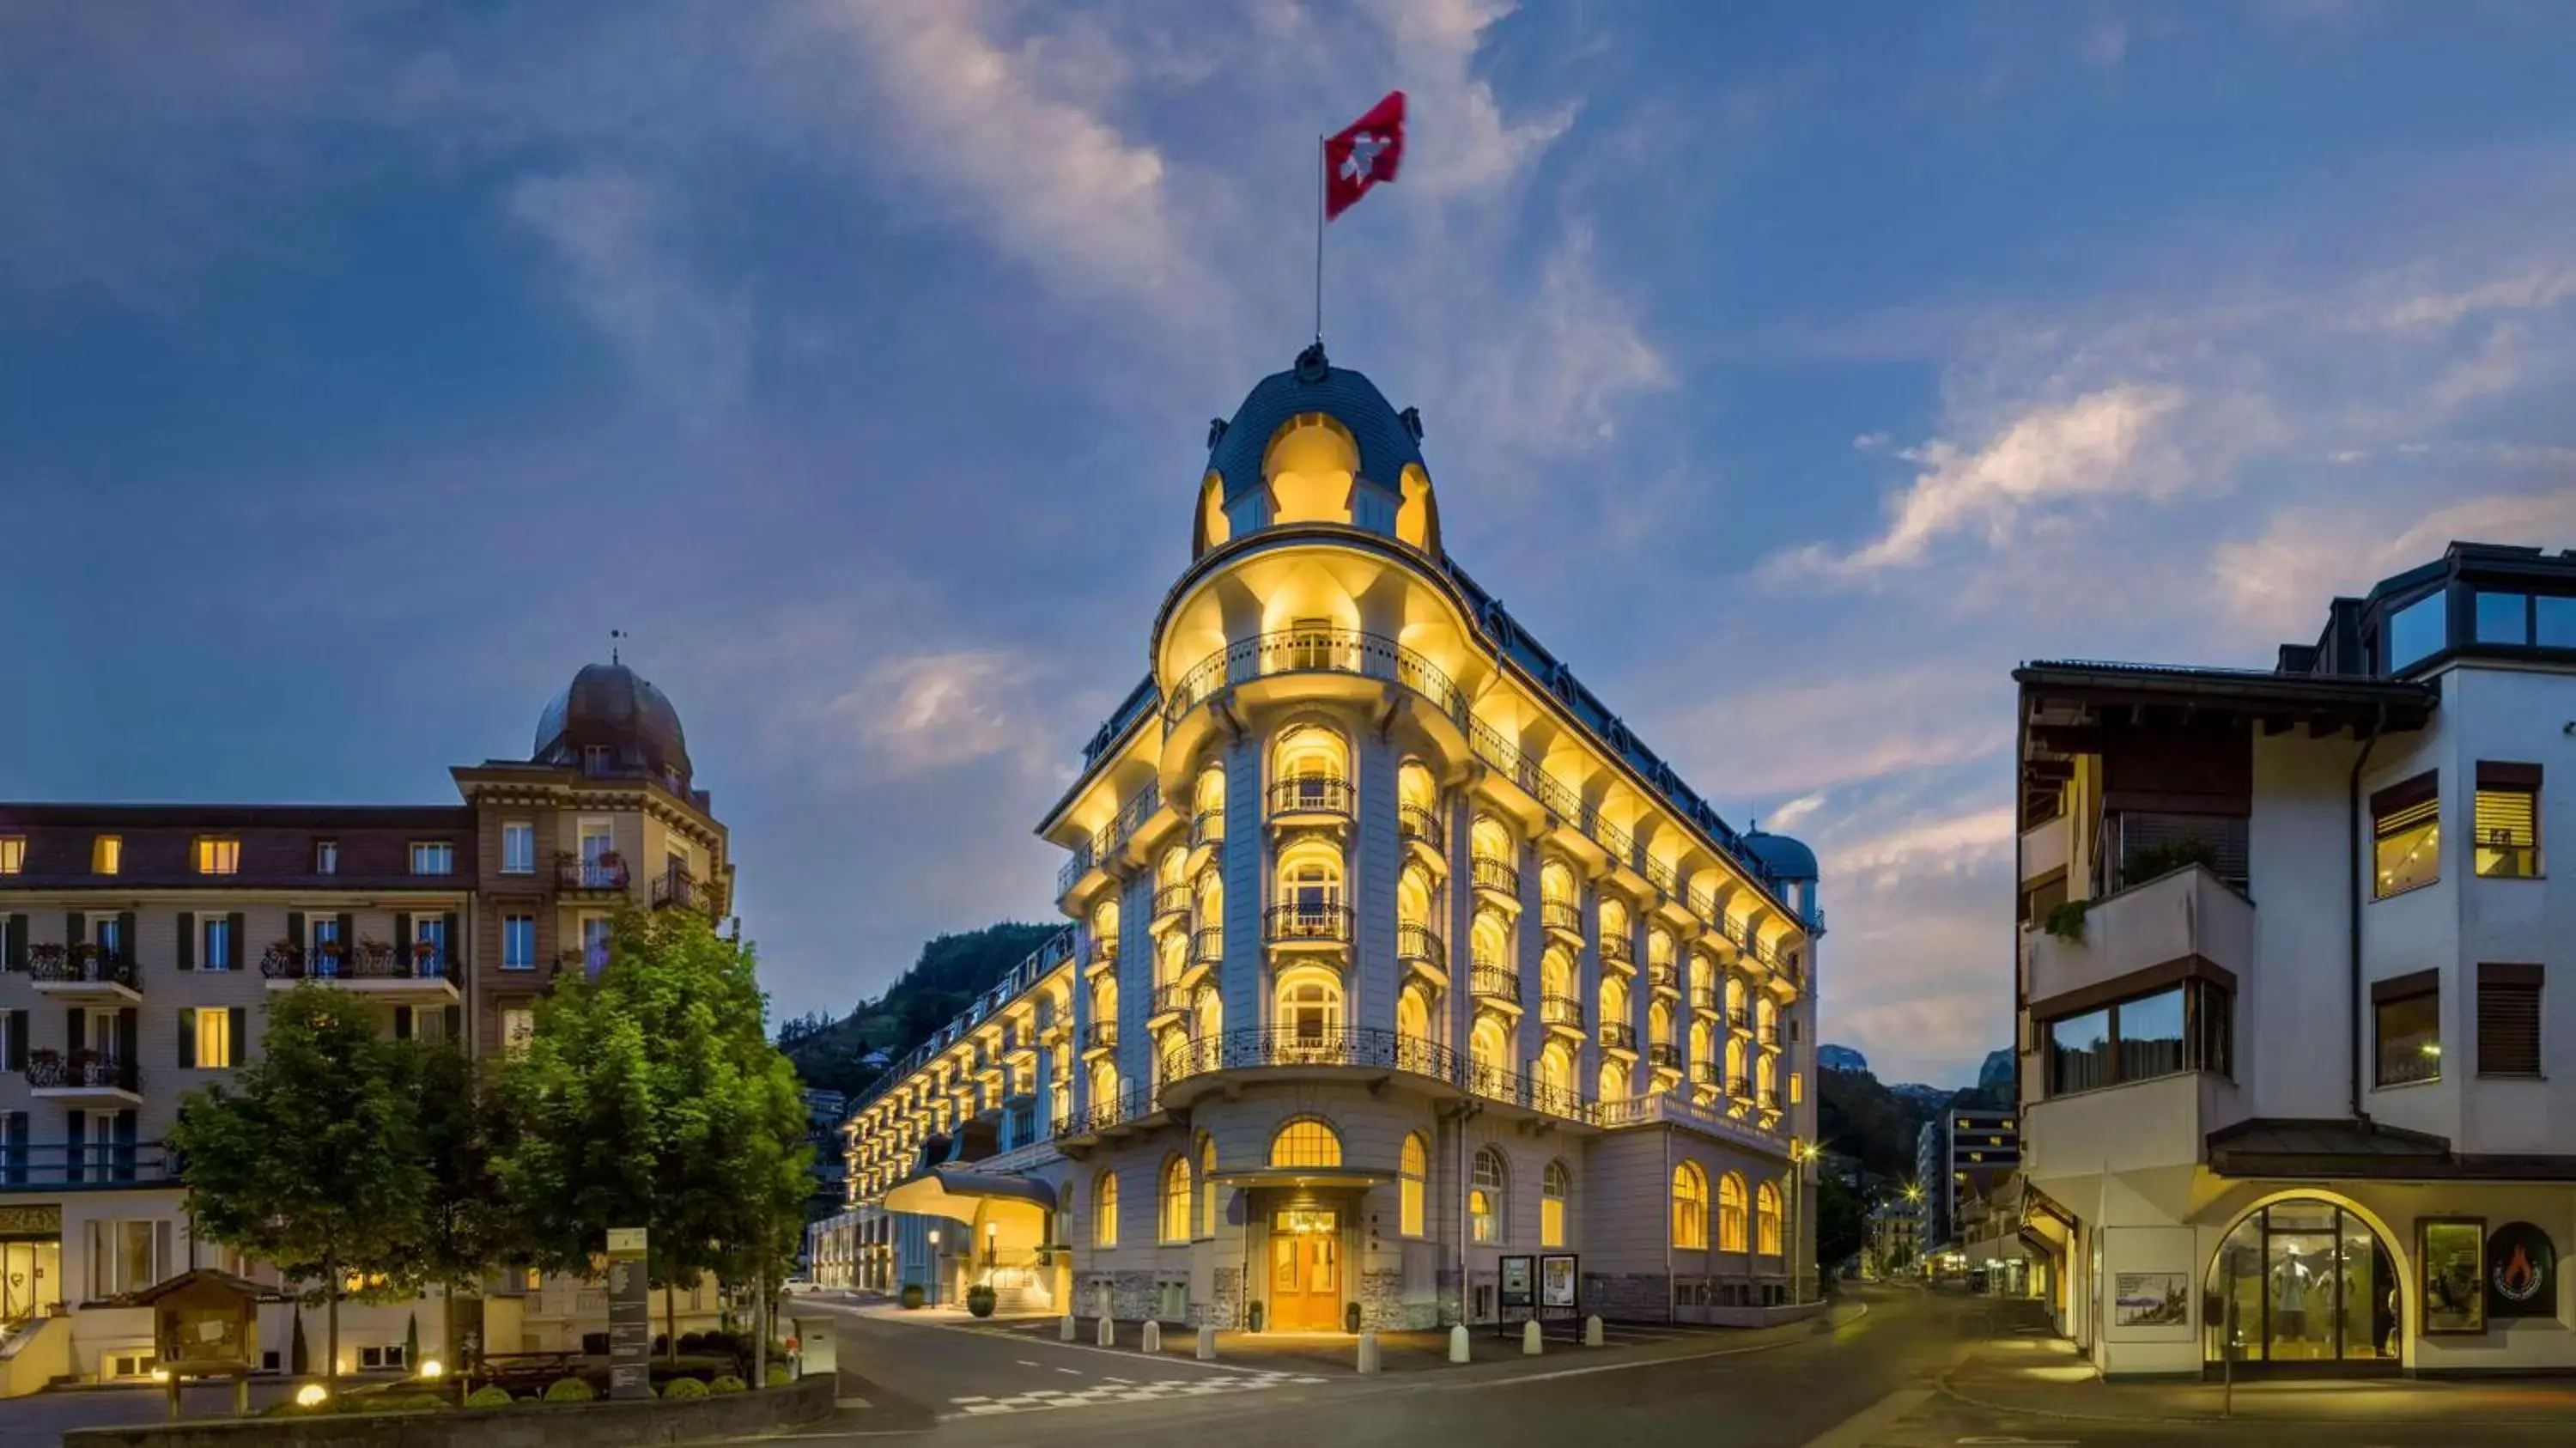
(2291, 1281)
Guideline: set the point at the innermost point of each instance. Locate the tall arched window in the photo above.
(1730, 1213)
(1104, 1084)
(1306, 1141)
(1555, 1185)
(1488, 1198)
(1614, 917)
(1309, 764)
(1413, 1015)
(1488, 1052)
(1175, 1215)
(1104, 1210)
(1690, 1206)
(1207, 1186)
(1739, 1079)
(1412, 1167)
(1309, 1009)
(1614, 1080)
(1556, 975)
(1766, 1219)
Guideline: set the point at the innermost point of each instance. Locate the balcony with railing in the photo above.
(83, 975)
(1704, 1073)
(1099, 1038)
(1562, 918)
(1103, 1116)
(1564, 1013)
(1103, 956)
(1307, 651)
(1497, 880)
(1619, 953)
(1276, 1046)
(1419, 826)
(1663, 979)
(1664, 1056)
(1703, 1002)
(371, 967)
(1493, 984)
(680, 890)
(1312, 799)
(1422, 952)
(84, 1075)
(1171, 907)
(45, 1166)
(599, 875)
(1619, 1036)
(1171, 1002)
(1307, 926)
(1207, 829)
(1207, 954)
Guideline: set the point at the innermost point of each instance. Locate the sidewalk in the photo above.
(2025, 1369)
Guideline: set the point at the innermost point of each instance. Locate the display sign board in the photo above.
(1519, 1300)
(630, 1316)
(1559, 1285)
(2522, 1272)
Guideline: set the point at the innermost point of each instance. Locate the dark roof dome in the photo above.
(1781, 855)
(608, 706)
(1387, 440)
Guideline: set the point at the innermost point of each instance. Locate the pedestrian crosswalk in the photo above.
(1114, 1390)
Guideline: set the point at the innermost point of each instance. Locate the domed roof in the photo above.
(1783, 856)
(608, 705)
(1387, 440)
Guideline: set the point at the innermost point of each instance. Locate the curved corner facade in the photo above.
(1392, 954)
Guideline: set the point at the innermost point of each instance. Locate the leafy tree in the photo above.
(312, 1160)
(1841, 1224)
(463, 1225)
(651, 1097)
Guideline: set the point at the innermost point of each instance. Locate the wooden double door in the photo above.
(1306, 1270)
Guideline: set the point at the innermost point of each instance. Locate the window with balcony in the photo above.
(2185, 1027)
(2407, 1013)
(594, 943)
(2509, 1020)
(218, 855)
(2506, 838)
(518, 847)
(13, 854)
(433, 857)
(2406, 836)
(106, 854)
(518, 942)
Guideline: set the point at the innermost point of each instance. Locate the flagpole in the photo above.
(1323, 179)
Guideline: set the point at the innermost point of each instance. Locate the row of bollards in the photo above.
(1370, 1357)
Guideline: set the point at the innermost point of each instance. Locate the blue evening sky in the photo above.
(1792, 370)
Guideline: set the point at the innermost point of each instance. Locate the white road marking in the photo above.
(1860, 1427)
(1118, 1391)
(1077, 1372)
(1024, 1362)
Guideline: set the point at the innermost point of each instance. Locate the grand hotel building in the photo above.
(1392, 952)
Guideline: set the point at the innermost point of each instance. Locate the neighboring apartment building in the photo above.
(1394, 954)
(2285, 988)
(1895, 1237)
(138, 944)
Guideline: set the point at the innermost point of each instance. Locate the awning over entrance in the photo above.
(2267, 1147)
(1310, 1177)
(959, 1194)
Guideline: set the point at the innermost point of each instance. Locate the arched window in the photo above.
(1104, 1083)
(1659, 948)
(1310, 1008)
(1211, 903)
(1556, 1076)
(1489, 840)
(1659, 1023)
(1766, 1219)
(1310, 880)
(1306, 765)
(1104, 1210)
(1413, 896)
(1555, 1185)
(1207, 1186)
(1614, 1001)
(1556, 883)
(1306, 1141)
(1488, 1198)
(1167, 870)
(1489, 941)
(1690, 1206)
(1739, 1081)
(1104, 925)
(1489, 1052)
(1700, 1047)
(1412, 1169)
(1207, 1020)
(1210, 793)
(1176, 1200)
(1413, 1015)
(1309, 465)
(1414, 786)
(1730, 1213)
(1614, 1080)
(1614, 917)
(1556, 975)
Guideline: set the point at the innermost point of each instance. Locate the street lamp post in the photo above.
(934, 1266)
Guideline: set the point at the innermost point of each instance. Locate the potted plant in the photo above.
(85, 960)
(980, 1300)
(911, 1297)
(424, 957)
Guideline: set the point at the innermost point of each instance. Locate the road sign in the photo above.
(630, 1316)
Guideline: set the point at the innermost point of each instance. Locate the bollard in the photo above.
(1458, 1343)
(1207, 1343)
(1108, 1332)
(1592, 1330)
(1368, 1352)
(1152, 1338)
(1064, 1329)
(1529, 1338)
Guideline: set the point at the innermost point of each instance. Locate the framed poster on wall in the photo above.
(2151, 1299)
(2522, 1272)
(1557, 1277)
(2453, 1251)
(1519, 1295)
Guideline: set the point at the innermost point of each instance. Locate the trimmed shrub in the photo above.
(489, 1396)
(911, 1297)
(683, 1389)
(692, 1342)
(980, 1300)
(394, 1403)
(727, 1384)
(569, 1390)
(779, 1376)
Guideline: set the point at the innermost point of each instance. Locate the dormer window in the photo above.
(597, 759)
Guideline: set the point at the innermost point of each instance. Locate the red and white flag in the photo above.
(1366, 152)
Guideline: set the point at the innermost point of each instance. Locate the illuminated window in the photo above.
(1176, 1200)
(518, 1028)
(1104, 1210)
(2406, 836)
(433, 857)
(13, 854)
(2408, 1011)
(1306, 1141)
(1766, 1219)
(1488, 1197)
(218, 856)
(1730, 1213)
(1412, 1166)
(106, 854)
(1555, 1185)
(1690, 1206)
(206, 1039)
(2506, 841)
(1797, 1088)
(518, 847)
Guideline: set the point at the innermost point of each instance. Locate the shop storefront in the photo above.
(2304, 1283)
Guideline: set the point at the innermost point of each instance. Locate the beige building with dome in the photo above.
(1397, 966)
(138, 944)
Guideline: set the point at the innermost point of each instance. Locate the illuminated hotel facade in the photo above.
(1392, 953)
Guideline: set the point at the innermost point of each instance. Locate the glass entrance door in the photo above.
(1305, 1270)
(30, 1279)
(2302, 1283)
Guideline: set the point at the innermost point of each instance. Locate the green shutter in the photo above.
(402, 1023)
(455, 1022)
(16, 958)
(17, 1041)
(75, 928)
(187, 940)
(348, 932)
(76, 1131)
(237, 926)
(455, 948)
(187, 1038)
(237, 1035)
(402, 939)
(125, 935)
(295, 929)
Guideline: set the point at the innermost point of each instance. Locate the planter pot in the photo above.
(980, 1301)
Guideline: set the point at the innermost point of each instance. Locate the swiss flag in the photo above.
(1366, 152)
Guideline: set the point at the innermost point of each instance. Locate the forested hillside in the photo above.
(953, 969)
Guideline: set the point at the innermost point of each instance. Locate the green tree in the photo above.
(1842, 1224)
(651, 1097)
(311, 1161)
(464, 1231)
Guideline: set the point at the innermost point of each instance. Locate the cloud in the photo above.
(1941, 843)
(1575, 361)
(1465, 145)
(2280, 580)
(932, 711)
(607, 229)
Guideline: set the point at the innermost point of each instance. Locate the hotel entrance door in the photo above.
(1306, 1270)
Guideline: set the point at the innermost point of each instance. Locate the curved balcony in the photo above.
(1619, 953)
(1769, 1033)
(1664, 1056)
(1419, 826)
(1422, 952)
(1316, 926)
(1103, 957)
(1207, 953)
(1171, 1002)
(1496, 880)
(1171, 907)
(1495, 984)
(1740, 1087)
(1269, 1046)
(1312, 651)
(1564, 1013)
(1207, 827)
(1704, 1073)
(1562, 918)
(1739, 1020)
(1099, 1038)
(1704, 1003)
(1619, 1036)
(1312, 799)
(1664, 979)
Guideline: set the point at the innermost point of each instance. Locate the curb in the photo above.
(1951, 1390)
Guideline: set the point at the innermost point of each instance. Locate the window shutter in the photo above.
(455, 946)
(2509, 1020)
(187, 940)
(295, 927)
(348, 931)
(17, 953)
(187, 1038)
(75, 928)
(455, 1022)
(125, 935)
(17, 1041)
(402, 1023)
(402, 940)
(237, 1035)
(76, 1132)
(237, 926)
(75, 1029)
(127, 1020)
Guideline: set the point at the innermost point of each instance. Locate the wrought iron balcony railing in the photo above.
(1312, 794)
(51, 1071)
(1295, 1046)
(1312, 650)
(1207, 946)
(1558, 1010)
(79, 965)
(1288, 924)
(1664, 1054)
(1171, 1000)
(1664, 977)
(1618, 950)
(1495, 983)
(1171, 901)
(52, 1165)
(572, 873)
(1415, 822)
(1100, 1036)
(367, 960)
(1497, 875)
(1619, 1035)
(1207, 827)
(1417, 943)
(1562, 915)
(680, 890)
